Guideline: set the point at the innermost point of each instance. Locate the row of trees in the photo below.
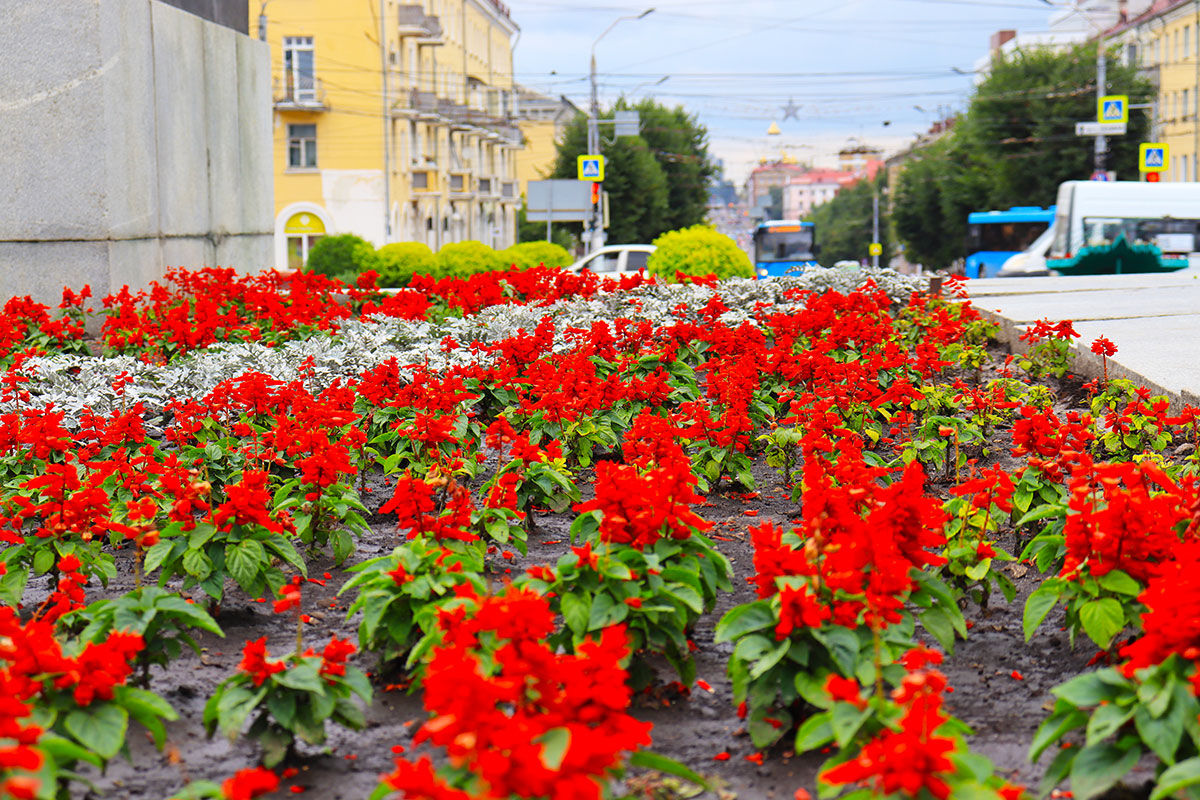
(1013, 146)
(657, 181)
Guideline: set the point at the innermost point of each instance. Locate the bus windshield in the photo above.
(790, 246)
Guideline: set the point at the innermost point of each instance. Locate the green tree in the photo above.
(657, 181)
(680, 145)
(1014, 145)
(844, 223)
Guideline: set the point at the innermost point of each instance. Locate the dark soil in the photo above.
(1004, 711)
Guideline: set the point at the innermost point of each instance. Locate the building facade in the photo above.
(1163, 42)
(137, 137)
(543, 121)
(397, 126)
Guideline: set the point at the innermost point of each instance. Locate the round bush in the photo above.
(527, 255)
(399, 261)
(342, 255)
(698, 250)
(460, 259)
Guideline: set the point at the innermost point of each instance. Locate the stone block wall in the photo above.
(137, 138)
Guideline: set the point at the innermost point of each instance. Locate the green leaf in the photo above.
(743, 619)
(605, 611)
(1044, 598)
(156, 554)
(555, 743)
(304, 676)
(1086, 690)
(1106, 720)
(1042, 512)
(817, 731)
(1102, 619)
(43, 560)
(979, 569)
(766, 726)
(846, 721)
(576, 608)
(842, 644)
(245, 560)
(1099, 766)
(1180, 776)
(101, 728)
(769, 660)
(1163, 735)
(937, 621)
(197, 564)
(1054, 726)
(1119, 582)
(648, 760)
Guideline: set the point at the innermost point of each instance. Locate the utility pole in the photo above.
(875, 225)
(1101, 81)
(595, 224)
(387, 126)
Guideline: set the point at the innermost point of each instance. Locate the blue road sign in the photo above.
(1113, 108)
(1153, 157)
(591, 167)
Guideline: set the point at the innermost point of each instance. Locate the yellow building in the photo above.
(1162, 41)
(394, 127)
(543, 121)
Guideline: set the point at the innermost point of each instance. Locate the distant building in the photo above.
(1162, 42)
(855, 156)
(396, 129)
(542, 121)
(137, 137)
(769, 175)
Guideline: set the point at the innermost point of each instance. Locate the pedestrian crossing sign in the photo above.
(1113, 108)
(1153, 157)
(591, 168)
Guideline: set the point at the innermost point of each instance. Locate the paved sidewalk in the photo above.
(1154, 320)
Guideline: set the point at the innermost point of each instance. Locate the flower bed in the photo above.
(550, 532)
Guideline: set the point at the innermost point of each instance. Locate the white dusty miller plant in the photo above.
(70, 383)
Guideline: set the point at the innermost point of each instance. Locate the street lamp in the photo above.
(658, 82)
(596, 238)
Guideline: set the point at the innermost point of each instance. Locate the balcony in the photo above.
(424, 181)
(459, 184)
(416, 104)
(413, 21)
(304, 94)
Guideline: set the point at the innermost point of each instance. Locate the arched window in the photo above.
(302, 230)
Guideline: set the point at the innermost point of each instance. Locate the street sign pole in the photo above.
(874, 228)
(1101, 148)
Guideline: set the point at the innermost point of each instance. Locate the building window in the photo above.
(299, 79)
(1187, 108)
(302, 230)
(302, 146)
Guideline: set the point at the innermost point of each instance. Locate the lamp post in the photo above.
(595, 227)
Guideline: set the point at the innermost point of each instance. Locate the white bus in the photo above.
(1092, 213)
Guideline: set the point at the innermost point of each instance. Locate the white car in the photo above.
(616, 260)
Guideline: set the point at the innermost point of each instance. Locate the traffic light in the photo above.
(595, 192)
(1152, 177)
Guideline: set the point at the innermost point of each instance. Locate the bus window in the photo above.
(794, 246)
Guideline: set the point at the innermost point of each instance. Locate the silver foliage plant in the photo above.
(70, 383)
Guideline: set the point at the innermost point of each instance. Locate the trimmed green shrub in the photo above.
(530, 254)
(342, 255)
(460, 259)
(399, 261)
(698, 250)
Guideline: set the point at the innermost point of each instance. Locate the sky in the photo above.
(877, 71)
